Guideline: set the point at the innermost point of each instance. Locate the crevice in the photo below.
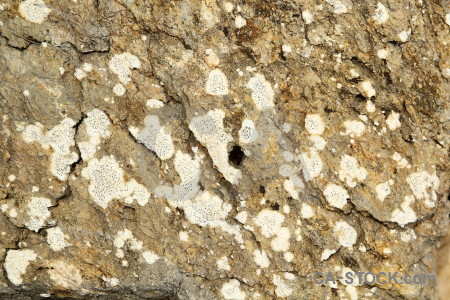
(80, 159)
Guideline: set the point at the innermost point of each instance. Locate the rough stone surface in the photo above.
(209, 149)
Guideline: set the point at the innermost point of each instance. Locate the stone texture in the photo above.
(219, 149)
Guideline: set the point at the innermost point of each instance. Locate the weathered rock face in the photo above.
(221, 149)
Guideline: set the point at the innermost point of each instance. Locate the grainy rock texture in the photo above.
(209, 149)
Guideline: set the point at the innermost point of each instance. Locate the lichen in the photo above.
(60, 139)
(122, 64)
(262, 92)
(35, 11)
(217, 83)
(107, 183)
(209, 130)
(16, 263)
(154, 137)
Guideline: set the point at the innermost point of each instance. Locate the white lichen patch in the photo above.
(393, 120)
(87, 67)
(60, 138)
(281, 240)
(35, 11)
(424, 186)
(382, 53)
(97, 127)
(336, 195)
(350, 171)
(354, 128)
(65, 275)
(217, 83)
(339, 7)
(38, 213)
(231, 290)
(150, 257)
(283, 288)
(262, 92)
(345, 234)
(354, 73)
(408, 235)
(241, 217)
(209, 131)
(286, 127)
(404, 35)
(381, 13)
(240, 22)
(208, 209)
(187, 168)
(261, 259)
(366, 88)
(111, 281)
(154, 103)
(126, 237)
(184, 236)
(362, 248)
(406, 214)
(57, 239)
(307, 17)
(401, 161)
(79, 74)
(222, 264)
(312, 164)
(327, 253)
(288, 256)
(247, 133)
(13, 213)
(314, 124)
(370, 106)
(228, 6)
(154, 137)
(364, 118)
(318, 142)
(270, 222)
(107, 183)
(189, 171)
(307, 211)
(383, 189)
(16, 263)
(293, 185)
(119, 89)
(122, 64)
(286, 48)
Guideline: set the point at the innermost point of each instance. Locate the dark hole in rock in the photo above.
(262, 189)
(236, 155)
(359, 98)
(276, 206)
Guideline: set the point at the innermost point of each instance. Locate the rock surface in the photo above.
(208, 149)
